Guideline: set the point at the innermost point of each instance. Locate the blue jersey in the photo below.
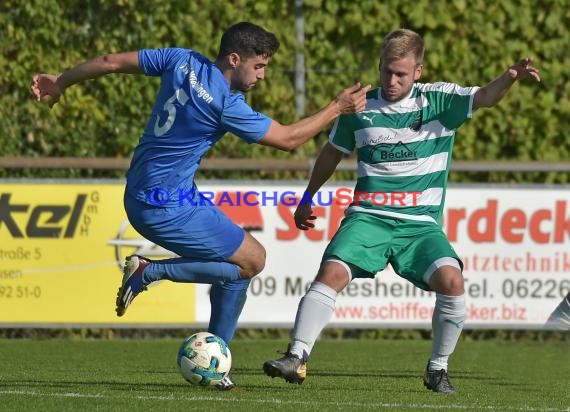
(194, 109)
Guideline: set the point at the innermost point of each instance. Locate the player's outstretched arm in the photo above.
(492, 93)
(289, 137)
(49, 87)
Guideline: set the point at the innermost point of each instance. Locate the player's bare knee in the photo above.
(250, 257)
(257, 266)
(259, 261)
(451, 285)
(456, 286)
(334, 275)
(254, 265)
(447, 280)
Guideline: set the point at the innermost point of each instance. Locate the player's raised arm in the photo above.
(50, 87)
(289, 137)
(492, 93)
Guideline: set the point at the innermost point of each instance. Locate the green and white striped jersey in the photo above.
(404, 149)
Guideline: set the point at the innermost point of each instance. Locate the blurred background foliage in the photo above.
(468, 42)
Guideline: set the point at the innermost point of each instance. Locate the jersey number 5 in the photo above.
(169, 107)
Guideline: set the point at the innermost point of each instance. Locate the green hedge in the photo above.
(468, 42)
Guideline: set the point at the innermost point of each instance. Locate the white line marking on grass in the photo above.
(274, 401)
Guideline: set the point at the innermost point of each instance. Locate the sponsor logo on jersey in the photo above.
(399, 152)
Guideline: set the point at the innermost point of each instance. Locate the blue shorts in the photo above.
(200, 232)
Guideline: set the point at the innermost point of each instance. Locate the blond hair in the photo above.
(400, 43)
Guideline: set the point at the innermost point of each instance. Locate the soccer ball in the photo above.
(204, 359)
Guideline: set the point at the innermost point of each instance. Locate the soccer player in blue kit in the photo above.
(195, 107)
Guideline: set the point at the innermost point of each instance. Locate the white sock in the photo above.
(560, 317)
(447, 323)
(314, 313)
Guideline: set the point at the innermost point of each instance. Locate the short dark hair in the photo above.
(248, 40)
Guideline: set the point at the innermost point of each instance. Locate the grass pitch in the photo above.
(344, 375)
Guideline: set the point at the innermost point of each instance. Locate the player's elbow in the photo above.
(288, 145)
(292, 138)
(284, 138)
(484, 98)
(278, 144)
(109, 62)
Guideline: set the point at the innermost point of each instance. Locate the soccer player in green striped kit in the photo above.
(403, 141)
